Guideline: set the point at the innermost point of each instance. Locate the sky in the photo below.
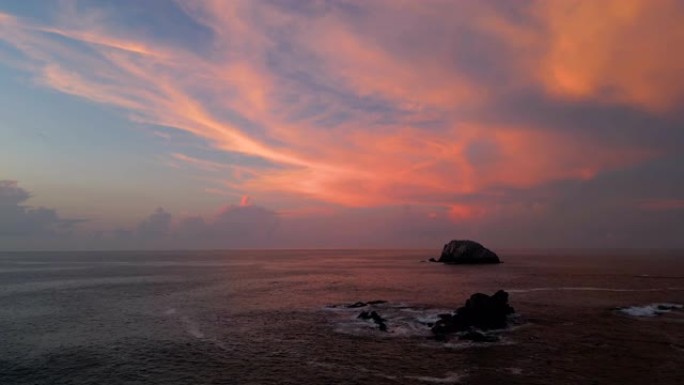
(197, 124)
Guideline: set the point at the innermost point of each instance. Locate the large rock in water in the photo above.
(481, 312)
(467, 252)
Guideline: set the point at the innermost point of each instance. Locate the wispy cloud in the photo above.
(373, 104)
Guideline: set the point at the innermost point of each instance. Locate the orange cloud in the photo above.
(460, 212)
(413, 167)
(360, 160)
(245, 201)
(617, 51)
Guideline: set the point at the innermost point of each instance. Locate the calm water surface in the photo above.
(260, 317)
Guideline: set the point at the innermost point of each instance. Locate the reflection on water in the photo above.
(261, 317)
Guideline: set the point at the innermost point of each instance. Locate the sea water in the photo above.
(278, 317)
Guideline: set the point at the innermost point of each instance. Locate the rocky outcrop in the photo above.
(481, 312)
(482, 319)
(467, 252)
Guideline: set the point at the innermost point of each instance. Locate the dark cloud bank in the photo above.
(19, 220)
(580, 214)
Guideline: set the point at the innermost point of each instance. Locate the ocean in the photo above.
(279, 317)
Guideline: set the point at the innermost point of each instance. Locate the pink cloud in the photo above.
(612, 51)
(245, 201)
(359, 161)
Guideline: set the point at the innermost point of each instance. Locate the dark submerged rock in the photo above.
(364, 315)
(382, 326)
(481, 312)
(376, 302)
(375, 317)
(359, 304)
(668, 307)
(467, 252)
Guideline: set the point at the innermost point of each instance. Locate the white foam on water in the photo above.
(191, 327)
(401, 319)
(359, 328)
(450, 378)
(650, 310)
(405, 322)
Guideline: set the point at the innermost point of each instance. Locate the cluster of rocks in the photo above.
(367, 315)
(479, 320)
(466, 252)
(480, 313)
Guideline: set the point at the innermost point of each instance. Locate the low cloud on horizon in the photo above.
(248, 226)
